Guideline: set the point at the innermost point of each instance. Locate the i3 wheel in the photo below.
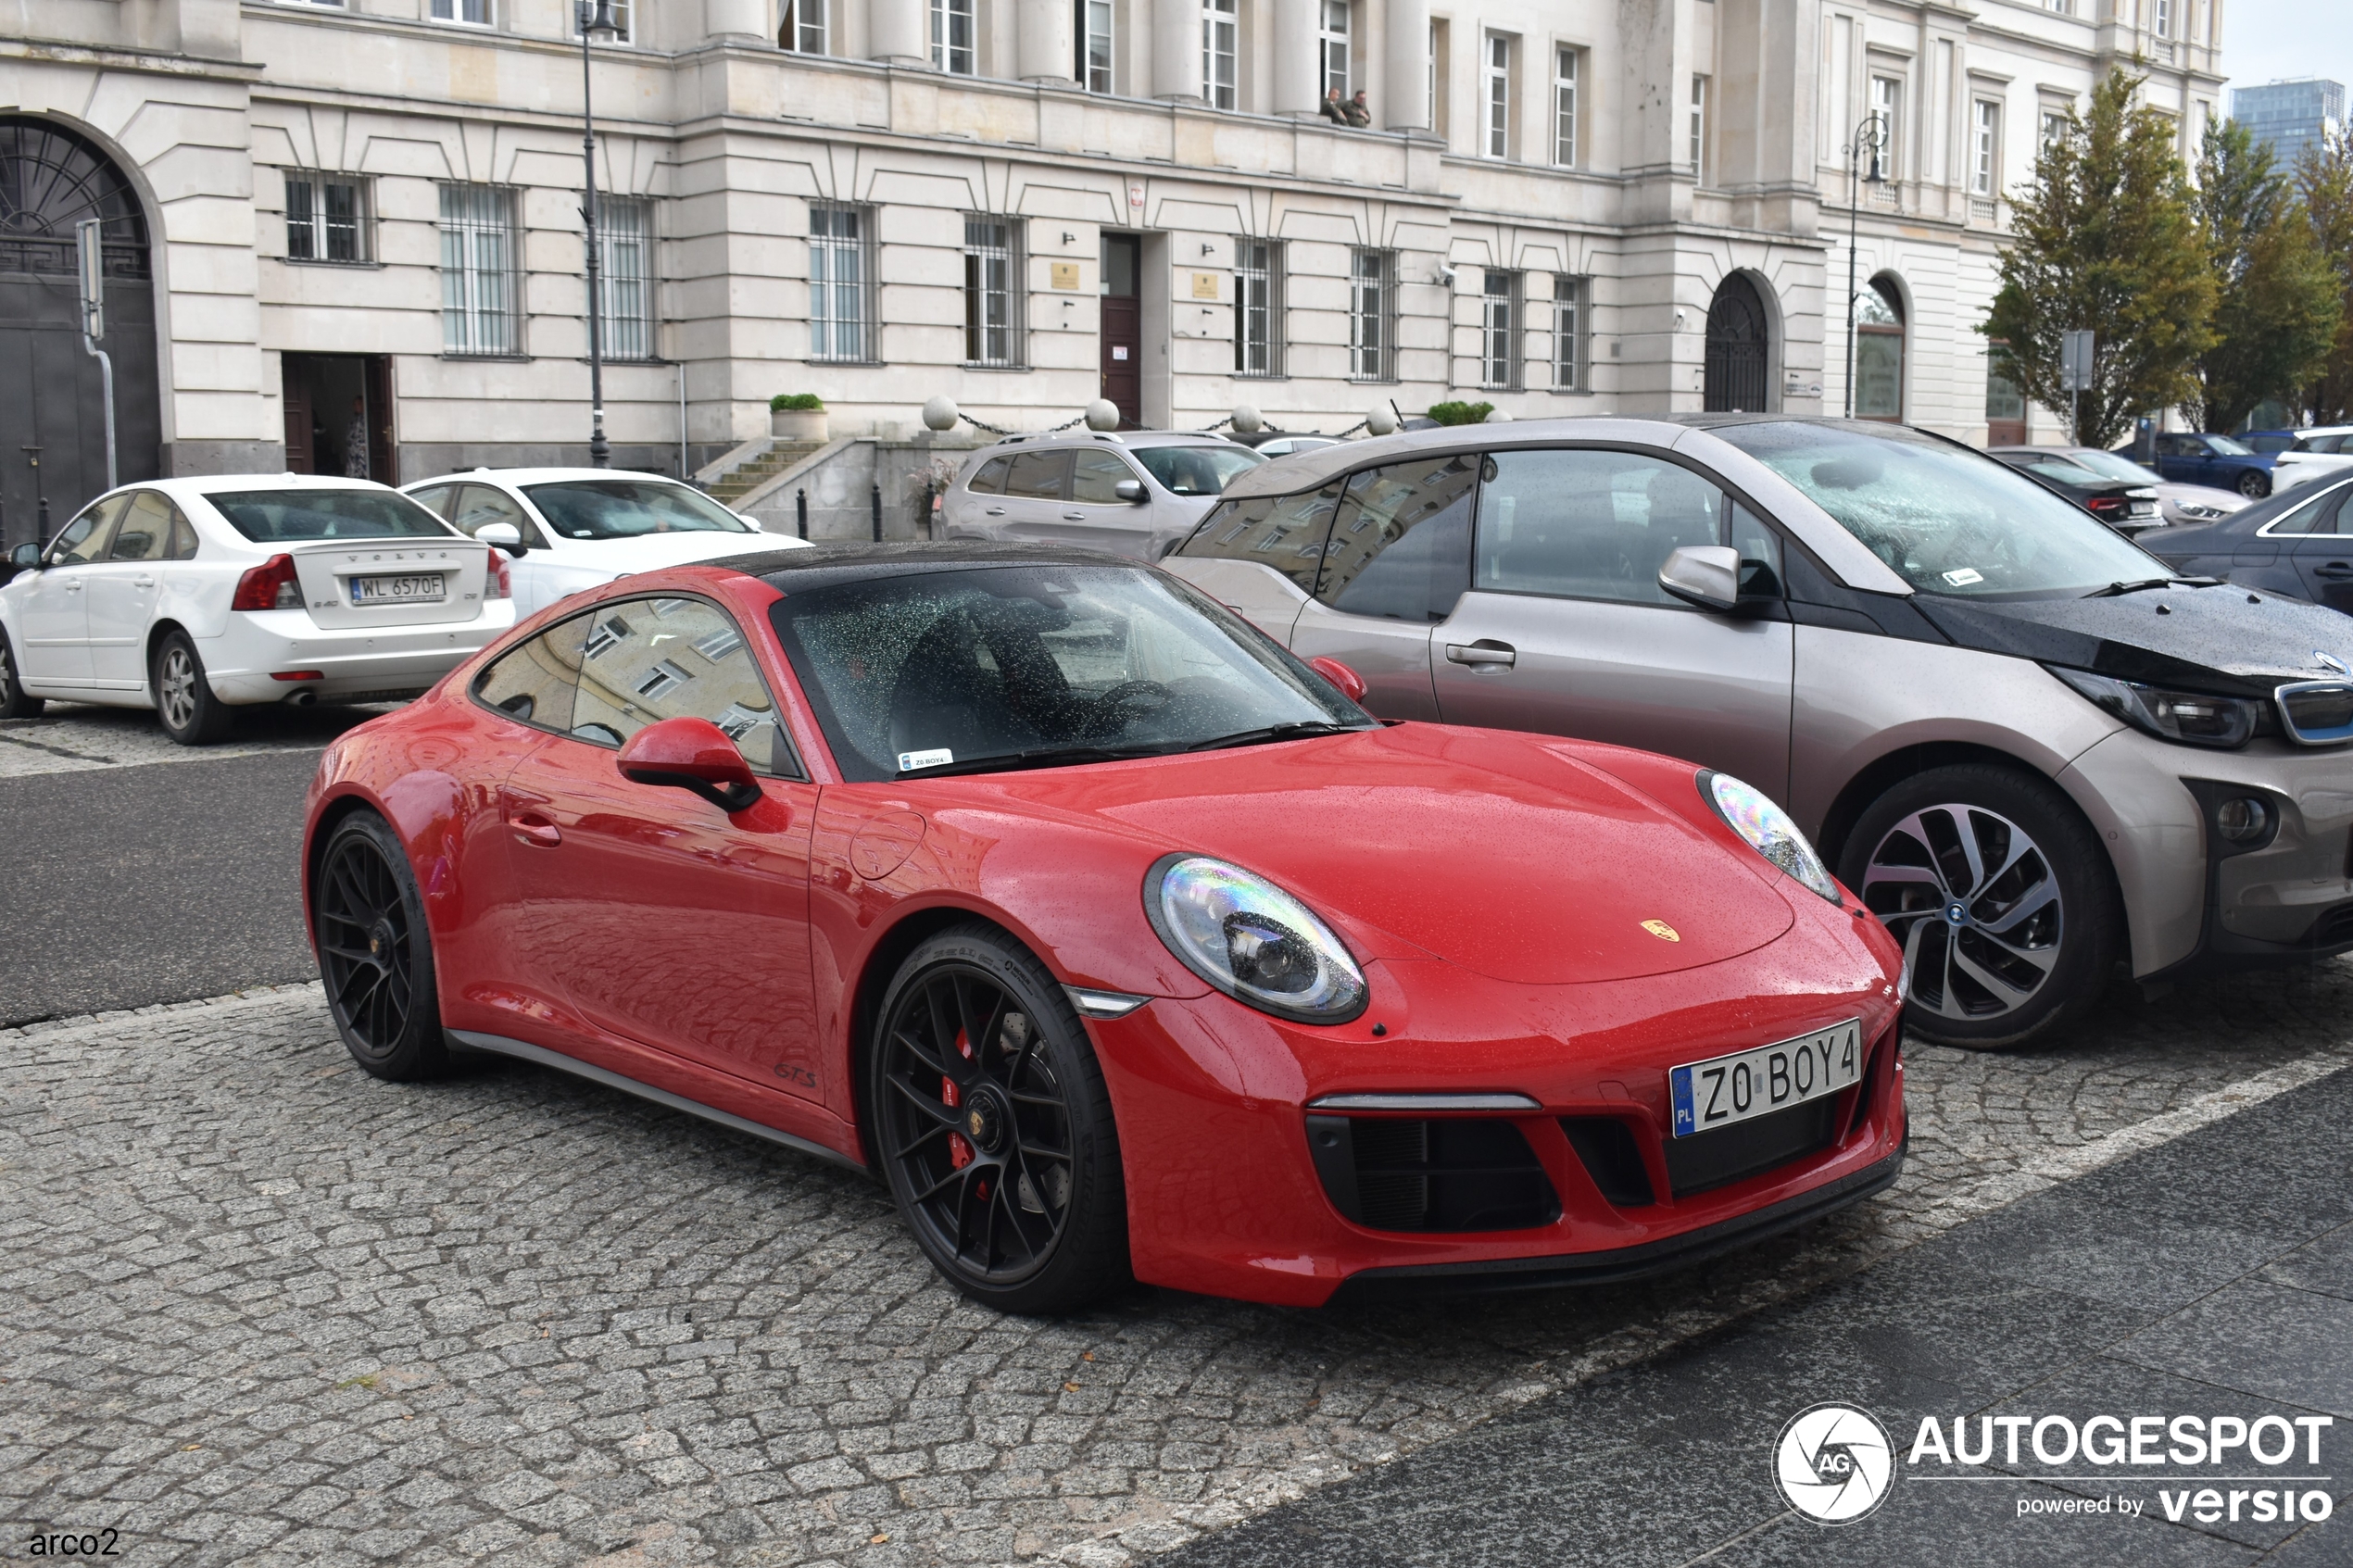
(375, 954)
(2254, 484)
(14, 704)
(2000, 897)
(185, 703)
(993, 1128)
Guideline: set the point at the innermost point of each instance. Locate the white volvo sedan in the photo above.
(195, 597)
(571, 529)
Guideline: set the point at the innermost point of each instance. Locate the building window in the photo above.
(1095, 46)
(1434, 82)
(993, 296)
(2054, 128)
(1698, 152)
(478, 260)
(951, 37)
(621, 13)
(841, 294)
(2005, 403)
(803, 29)
(475, 13)
(1220, 22)
(1985, 149)
(326, 219)
(1258, 308)
(1372, 298)
(1333, 43)
(1572, 331)
(625, 263)
(1499, 328)
(1887, 100)
(1499, 96)
(1879, 352)
(1565, 107)
(2162, 17)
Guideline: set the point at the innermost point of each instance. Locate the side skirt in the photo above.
(499, 1045)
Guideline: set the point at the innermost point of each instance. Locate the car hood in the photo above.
(2201, 494)
(1515, 857)
(647, 551)
(2226, 639)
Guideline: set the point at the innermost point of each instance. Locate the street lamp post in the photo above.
(1870, 140)
(593, 20)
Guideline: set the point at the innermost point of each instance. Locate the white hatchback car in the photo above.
(578, 528)
(195, 597)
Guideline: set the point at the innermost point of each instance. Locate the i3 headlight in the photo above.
(1251, 940)
(2190, 718)
(1769, 831)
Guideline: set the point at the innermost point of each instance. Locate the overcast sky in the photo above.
(2265, 40)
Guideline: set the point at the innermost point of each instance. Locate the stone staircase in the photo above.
(744, 478)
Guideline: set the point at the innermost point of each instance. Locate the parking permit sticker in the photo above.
(1962, 577)
(911, 761)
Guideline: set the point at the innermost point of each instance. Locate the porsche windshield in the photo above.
(1038, 665)
(1948, 520)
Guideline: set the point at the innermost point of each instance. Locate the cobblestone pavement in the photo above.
(256, 1307)
(71, 736)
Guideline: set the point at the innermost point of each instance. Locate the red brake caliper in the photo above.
(960, 1152)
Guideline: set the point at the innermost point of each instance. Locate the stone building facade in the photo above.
(318, 215)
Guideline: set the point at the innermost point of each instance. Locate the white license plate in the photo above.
(1725, 1089)
(418, 588)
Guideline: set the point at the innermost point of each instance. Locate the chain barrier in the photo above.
(1269, 426)
(999, 430)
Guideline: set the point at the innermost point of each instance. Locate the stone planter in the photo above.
(798, 424)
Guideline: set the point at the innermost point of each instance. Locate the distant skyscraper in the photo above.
(2290, 115)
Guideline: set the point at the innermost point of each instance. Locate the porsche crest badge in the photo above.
(1663, 931)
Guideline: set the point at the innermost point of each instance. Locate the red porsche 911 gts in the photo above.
(1118, 941)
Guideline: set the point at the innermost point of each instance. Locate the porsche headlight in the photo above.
(1251, 940)
(1768, 830)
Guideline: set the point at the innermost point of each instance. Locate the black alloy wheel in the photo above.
(2254, 484)
(14, 704)
(994, 1129)
(375, 954)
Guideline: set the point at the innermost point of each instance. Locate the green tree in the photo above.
(2324, 178)
(2105, 241)
(2276, 301)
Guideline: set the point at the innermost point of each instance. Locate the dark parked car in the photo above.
(2127, 505)
(2187, 458)
(2299, 545)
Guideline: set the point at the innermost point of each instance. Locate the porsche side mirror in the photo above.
(1351, 684)
(505, 536)
(1705, 575)
(25, 558)
(1130, 491)
(693, 754)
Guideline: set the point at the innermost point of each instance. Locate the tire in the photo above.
(991, 1124)
(14, 704)
(375, 953)
(2010, 931)
(2254, 484)
(189, 711)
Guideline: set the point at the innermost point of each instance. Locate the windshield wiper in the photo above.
(2114, 589)
(1036, 757)
(1295, 730)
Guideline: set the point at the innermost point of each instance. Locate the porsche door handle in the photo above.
(1486, 652)
(532, 827)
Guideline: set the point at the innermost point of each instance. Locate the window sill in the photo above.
(975, 365)
(315, 261)
(829, 359)
(498, 358)
(1375, 381)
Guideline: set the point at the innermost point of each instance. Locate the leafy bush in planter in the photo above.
(1461, 413)
(795, 403)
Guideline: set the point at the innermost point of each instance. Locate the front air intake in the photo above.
(1435, 1173)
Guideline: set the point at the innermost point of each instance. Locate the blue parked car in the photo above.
(2187, 458)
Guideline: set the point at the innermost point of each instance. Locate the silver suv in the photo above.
(1131, 495)
(2026, 745)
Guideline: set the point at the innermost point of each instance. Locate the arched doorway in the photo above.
(53, 418)
(1878, 351)
(1739, 348)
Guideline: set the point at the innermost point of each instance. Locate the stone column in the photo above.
(1403, 103)
(1175, 48)
(1047, 44)
(1298, 64)
(897, 31)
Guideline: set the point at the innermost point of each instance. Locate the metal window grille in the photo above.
(1258, 308)
(624, 244)
(803, 29)
(841, 283)
(326, 219)
(1498, 330)
(1572, 331)
(475, 12)
(1499, 96)
(1988, 133)
(1095, 46)
(993, 296)
(951, 37)
(1220, 30)
(1564, 108)
(1699, 127)
(478, 284)
(1333, 40)
(1372, 298)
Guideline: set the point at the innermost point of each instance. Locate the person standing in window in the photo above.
(1359, 113)
(1334, 111)
(355, 442)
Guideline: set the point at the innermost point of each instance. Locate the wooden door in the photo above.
(1122, 331)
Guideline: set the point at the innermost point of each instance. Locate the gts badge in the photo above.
(800, 1076)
